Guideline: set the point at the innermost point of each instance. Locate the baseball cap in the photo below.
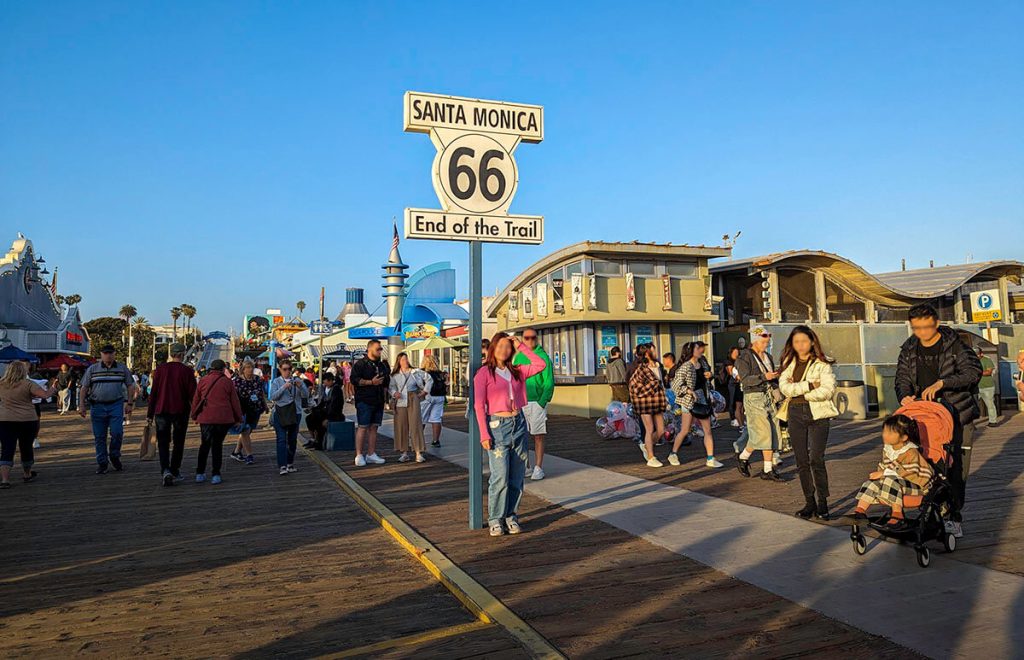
(177, 348)
(760, 331)
(108, 348)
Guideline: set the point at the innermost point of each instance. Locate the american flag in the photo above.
(394, 241)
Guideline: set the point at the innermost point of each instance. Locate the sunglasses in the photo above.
(529, 337)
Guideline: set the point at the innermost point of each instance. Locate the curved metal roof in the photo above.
(899, 289)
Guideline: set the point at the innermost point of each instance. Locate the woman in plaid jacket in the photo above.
(647, 395)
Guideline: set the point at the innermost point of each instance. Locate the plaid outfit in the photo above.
(889, 489)
(646, 392)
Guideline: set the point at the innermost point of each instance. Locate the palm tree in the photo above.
(189, 311)
(72, 299)
(175, 315)
(301, 305)
(127, 312)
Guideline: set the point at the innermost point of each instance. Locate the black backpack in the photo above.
(439, 387)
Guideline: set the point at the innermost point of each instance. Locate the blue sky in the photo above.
(239, 155)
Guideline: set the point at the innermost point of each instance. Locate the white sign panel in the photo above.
(474, 172)
(431, 224)
(576, 295)
(528, 302)
(542, 299)
(985, 306)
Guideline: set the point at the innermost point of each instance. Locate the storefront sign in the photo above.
(630, 292)
(666, 293)
(577, 290)
(75, 338)
(609, 336)
(542, 299)
(528, 302)
(985, 306)
(644, 334)
(557, 289)
(371, 333)
(415, 331)
(592, 290)
(513, 305)
(474, 172)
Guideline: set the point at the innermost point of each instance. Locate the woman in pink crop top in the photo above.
(500, 390)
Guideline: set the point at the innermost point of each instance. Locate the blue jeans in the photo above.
(287, 436)
(107, 417)
(507, 458)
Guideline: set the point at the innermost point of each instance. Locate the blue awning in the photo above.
(433, 312)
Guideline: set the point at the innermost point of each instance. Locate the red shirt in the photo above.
(222, 405)
(174, 385)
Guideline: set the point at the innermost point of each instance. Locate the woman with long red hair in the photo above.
(500, 390)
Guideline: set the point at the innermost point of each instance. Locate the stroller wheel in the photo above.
(924, 557)
(860, 544)
(949, 542)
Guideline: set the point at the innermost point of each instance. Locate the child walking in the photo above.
(902, 471)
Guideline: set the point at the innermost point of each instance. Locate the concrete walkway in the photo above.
(951, 609)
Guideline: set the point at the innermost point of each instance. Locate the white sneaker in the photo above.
(404, 458)
(673, 459)
(291, 468)
(374, 458)
(654, 462)
(643, 449)
(776, 461)
(735, 423)
(538, 473)
(713, 463)
(284, 469)
(360, 460)
(36, 445)
(420, 458)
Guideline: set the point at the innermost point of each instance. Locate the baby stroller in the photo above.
(935, 425)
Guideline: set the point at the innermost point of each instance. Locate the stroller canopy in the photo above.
(935, 424)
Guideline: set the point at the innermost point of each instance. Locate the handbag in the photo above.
(147, 449)
(286, 415)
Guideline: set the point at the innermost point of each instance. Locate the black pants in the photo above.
(171, 428)
(213, 441)
(315, 425)
(18, 436)
(963, 442)
(809, 437)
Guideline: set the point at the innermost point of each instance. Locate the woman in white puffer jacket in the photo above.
(808, 384)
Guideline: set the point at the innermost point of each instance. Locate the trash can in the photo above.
(852, 399)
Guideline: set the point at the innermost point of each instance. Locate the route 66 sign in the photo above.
(985, 306)
(474, 171)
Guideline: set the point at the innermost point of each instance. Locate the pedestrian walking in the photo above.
(432, 408)
(370, 379)
(287, 392)
(987, 387)
(733, 389)
(936, 365)
(170, 404)
(647, 395)
(19, 423)
(669, 367)
(540, 388)
(761, 397)
(809, 385)
(692, 388)
(615, 374)
(500, 396)
(64, 379)
(216, 407)
(253, 397)
(109, 389)
(408, 389)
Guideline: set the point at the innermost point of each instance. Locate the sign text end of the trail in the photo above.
(474, 172)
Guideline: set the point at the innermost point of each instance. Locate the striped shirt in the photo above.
(107, 384)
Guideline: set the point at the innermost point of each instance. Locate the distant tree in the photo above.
(72, 299)
(301, 305)
(175, 315)
(127, 312)
(107, 330)
(61, 299)
(189, 312)
(142, 351)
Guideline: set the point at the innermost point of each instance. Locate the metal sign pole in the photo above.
(476, 514)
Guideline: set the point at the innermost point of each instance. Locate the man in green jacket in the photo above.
(539, 390)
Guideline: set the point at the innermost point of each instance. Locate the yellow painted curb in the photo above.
(409, 640)
(482, 603)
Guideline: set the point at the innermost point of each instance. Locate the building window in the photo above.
(607, 268)
(797, 297)
(842, 305)
(570, 349)
(641, 268)
(683, 270)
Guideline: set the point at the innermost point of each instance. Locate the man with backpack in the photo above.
(936, 365)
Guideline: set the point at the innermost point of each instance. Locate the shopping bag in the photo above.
(147, 449)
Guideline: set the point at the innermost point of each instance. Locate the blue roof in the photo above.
(433, 312)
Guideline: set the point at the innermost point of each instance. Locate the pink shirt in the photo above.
(492, 391)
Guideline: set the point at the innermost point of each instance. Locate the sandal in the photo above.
(31, 477)
(5, 485)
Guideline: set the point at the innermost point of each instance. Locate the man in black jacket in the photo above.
(935, 364)
(330, 408)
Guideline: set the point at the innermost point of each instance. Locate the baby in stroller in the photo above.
(902, 471)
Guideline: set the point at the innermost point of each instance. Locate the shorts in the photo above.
(536, 418)
(431, 409)
(369, 414)
(252, 419)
